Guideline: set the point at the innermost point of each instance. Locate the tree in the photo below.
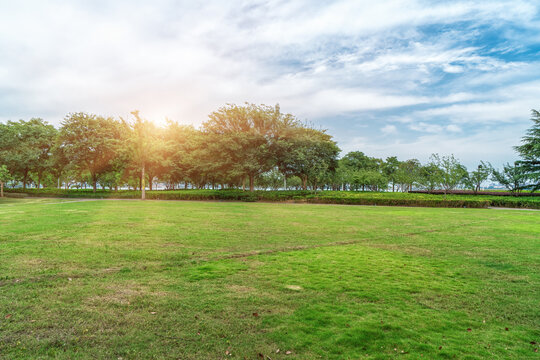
(452, 172)
(512, 177)
(475, 178)
(364, 171)
(244, 139)
(390, 168)
(144, 148)
(430, 176)
(5, 176)
(308, 154)
(407, 174)
(25, 147)
(178, 144)
(272, 179)
(91, 143)
(530, 152)
(59, 163)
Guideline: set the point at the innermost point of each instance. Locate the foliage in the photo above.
(25, 146)
(91, 143)
(330, 197)
(475, 178)
(308, 154)
(513, 177)
(529, 150)
(239, 146)
(430, 176)
(5, 176)
(390, 169)
(407, 174)
(452, 173)
(244, 138)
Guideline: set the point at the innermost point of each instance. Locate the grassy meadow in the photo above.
(127, 279)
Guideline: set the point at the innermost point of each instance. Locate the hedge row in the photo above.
(483, 192)
(322, 197)
(401, 202)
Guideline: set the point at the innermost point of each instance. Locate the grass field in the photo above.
(125, 279)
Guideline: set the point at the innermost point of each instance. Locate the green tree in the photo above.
(475, 178)
(529, 150)
(243, 139)
(408, 174)
(25, 147)
(364, 171)
(145, 148)
(308, 154)
(430, 176)
(179, 163)
(5, 176)
(390, 168)
(512, 177)
(272, 179)
(91, 143)
(453, 173)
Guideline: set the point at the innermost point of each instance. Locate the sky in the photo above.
(388, 77)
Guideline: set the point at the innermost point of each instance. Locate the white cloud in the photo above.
(453, 128)
(389, 129)
(182, 60)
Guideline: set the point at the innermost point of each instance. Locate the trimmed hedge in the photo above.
(402, 202)
(320, 197)
(482, 192)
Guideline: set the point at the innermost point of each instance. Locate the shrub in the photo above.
(321, 197)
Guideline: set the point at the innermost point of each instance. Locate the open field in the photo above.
(321, 197)
(230, 280)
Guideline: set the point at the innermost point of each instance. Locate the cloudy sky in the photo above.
(387, 77)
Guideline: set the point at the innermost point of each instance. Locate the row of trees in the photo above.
(232, 149)
(238, 147)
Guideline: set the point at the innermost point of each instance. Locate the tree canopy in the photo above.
(529, 150)
(239, 146)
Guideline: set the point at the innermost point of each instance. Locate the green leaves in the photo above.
(91, 143)
(530, 153)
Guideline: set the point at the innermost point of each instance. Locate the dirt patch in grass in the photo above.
(123, 294)
(240, 289)
(293, 287)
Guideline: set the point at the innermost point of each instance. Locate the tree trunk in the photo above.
(24, 179)
(94, 182)
(143, 190)
(1, 189)
(251, 183)
(150, 181)
(284, 183)
(243, 183)
(304, 182)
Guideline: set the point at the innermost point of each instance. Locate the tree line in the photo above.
(239, 146)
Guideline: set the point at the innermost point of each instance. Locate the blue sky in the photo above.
(405, 78)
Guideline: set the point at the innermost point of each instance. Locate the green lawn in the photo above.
(218, 280)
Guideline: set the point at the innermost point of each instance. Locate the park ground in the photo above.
(128, 279)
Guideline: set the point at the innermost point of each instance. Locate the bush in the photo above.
(320, 197)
